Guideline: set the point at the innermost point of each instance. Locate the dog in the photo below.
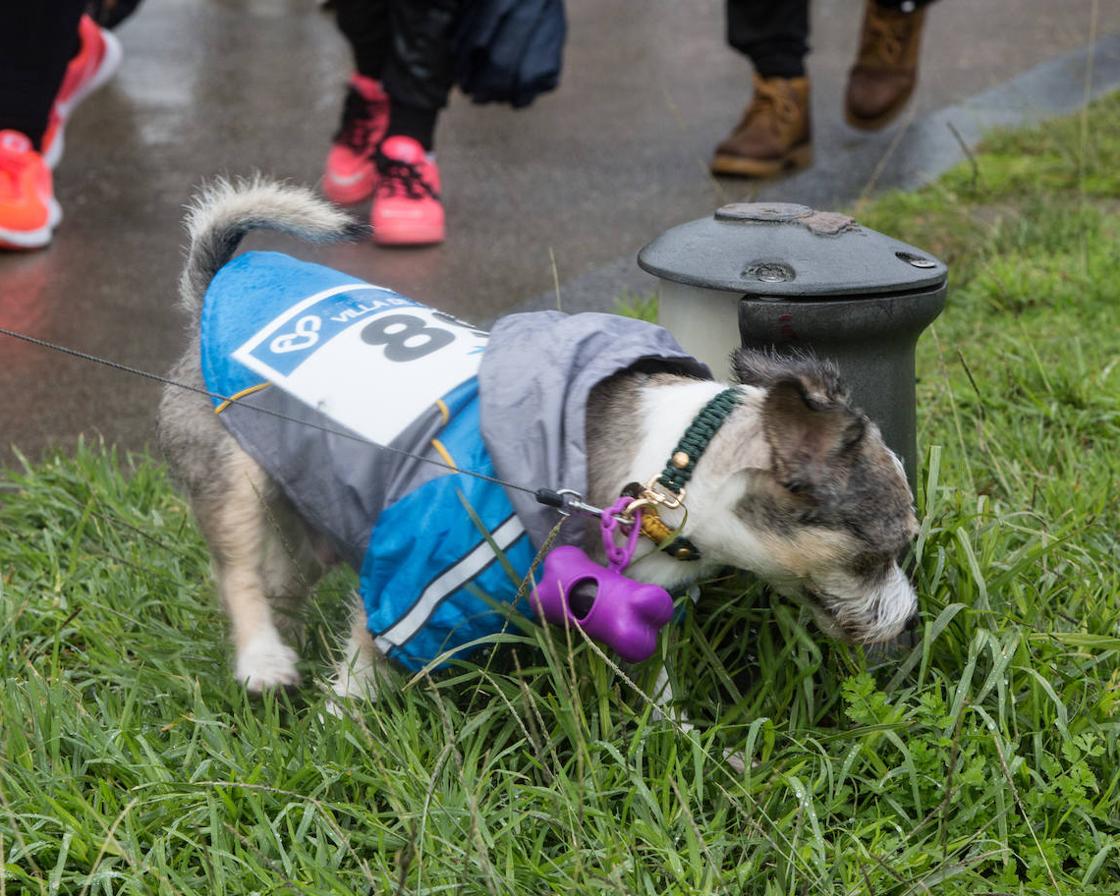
(796, 486)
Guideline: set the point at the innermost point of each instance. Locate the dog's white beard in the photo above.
(886, 607)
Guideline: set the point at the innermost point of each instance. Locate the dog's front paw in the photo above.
(267, 662)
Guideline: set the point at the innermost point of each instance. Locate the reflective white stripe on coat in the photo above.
(463, 571)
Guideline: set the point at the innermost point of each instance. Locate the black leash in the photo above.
(564, 500)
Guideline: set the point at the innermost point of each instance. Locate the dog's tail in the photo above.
(222, 212)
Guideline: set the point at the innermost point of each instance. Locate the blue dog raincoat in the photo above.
(341, 363)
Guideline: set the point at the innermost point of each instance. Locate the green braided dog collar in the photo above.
(678, 471)
(695, 441)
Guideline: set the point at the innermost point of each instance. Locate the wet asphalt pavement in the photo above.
(585, 176)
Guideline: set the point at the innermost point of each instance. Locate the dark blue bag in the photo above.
(510, 51)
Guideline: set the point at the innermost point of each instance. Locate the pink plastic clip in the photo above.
(619, 557)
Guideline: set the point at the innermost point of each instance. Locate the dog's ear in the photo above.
(819, 379)
(755, 368)
(812, 441)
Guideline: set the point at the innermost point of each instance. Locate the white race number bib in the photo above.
(365, 356)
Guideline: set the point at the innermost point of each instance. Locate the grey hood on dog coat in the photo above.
(536, 376)
(420, 537)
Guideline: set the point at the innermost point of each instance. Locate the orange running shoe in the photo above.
(350, 175)
(99, 56)
(28, 211)
(407, 209)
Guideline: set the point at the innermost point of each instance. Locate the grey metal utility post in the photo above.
(785, 277)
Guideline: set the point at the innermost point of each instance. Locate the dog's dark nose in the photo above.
(913, 622)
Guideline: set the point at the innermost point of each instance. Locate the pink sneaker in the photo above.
(99, 56)
(407, 210)
(28, 211)
(350, 175)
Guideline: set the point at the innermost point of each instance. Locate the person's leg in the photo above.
(37, 41)
(415, 122)
(774, 36)
(98, 57)
(349, 174)
(906, 6)
(420, 69)
(418, 74)
(365, 25)
(886, 69)
(774, 132)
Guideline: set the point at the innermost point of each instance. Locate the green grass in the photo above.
(985, 760)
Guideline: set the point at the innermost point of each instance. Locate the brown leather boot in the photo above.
(886, 69)
(774, 133)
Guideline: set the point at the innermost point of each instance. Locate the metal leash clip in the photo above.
(567, 501)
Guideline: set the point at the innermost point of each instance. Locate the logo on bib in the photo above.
(306, 334)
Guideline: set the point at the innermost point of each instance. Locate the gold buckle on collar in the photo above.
(665, 497)
(655, 495)
(651, 497)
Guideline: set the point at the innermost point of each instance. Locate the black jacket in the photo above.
(510, 51)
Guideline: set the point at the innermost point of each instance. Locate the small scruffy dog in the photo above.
(796, 485)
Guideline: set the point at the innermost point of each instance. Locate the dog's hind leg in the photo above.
(293, 562)
(242, 540)
(362, 666)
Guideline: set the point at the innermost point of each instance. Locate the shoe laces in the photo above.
(358, 118)
(886, 38)
(397, 176)
(774, 105)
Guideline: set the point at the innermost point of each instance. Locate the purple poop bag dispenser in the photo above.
(623, 614)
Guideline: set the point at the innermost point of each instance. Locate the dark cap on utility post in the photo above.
(788, 278)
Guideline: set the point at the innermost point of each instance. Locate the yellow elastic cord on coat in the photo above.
(445, 454)
(225, 404)
(443, 411)
(441, 449)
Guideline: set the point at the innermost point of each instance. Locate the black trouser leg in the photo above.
(420, 68)
(773, 34)
(409, 46)
(903, 5)
(412, 121)
(37, 39)
(365, 25)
